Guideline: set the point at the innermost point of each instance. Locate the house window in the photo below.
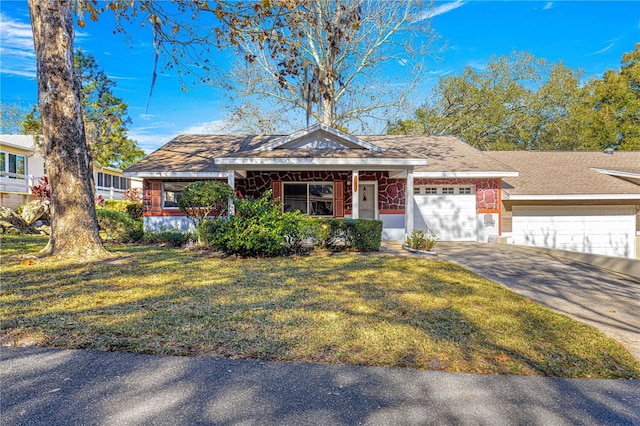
(14, 164)
(431, 190)
(464, 190)
(315, 199)
(171, 193)
(448, 190)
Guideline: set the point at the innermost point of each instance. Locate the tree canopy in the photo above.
(199, 199)
(105, 116)
(521, 102)
(324, 59)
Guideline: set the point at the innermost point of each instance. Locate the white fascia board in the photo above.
(617, 173)
(390, 162)
(190, 175)
(559, 197)
(489, 174)
(17, 146)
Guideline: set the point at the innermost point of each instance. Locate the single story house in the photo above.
(22, 165)
(581, 201)
(454, 189)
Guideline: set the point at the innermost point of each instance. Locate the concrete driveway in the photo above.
(598, 297)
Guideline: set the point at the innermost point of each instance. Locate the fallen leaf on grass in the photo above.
(612, 310)
(27, 262)
(503, 358)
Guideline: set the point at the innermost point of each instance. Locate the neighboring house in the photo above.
(111, 183)
(22, 165)
(578, 201)
(454, 189)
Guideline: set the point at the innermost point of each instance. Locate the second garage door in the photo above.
(608, 230)
(448, 211)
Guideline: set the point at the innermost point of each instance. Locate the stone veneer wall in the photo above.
(487, 190)
(390, 191)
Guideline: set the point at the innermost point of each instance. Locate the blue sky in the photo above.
(590, 35)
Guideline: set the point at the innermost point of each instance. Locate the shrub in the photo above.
(118, 226)
(258, 229)
(207, 229)
(297, 228)
(117, 205)
(99, 200)
(419, 240)
(199, 199)
(367, 234)
(169, 237)
(341, 234)
(133, 195)
(43, 190)
(134, 210)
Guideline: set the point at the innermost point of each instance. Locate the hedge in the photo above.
(341, 234)
(134, 210)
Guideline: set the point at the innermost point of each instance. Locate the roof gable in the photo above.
(319, 136)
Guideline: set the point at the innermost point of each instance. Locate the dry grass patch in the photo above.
(346, 308)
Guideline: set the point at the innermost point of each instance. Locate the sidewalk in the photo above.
(72, 387)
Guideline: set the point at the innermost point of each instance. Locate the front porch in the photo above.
(338, 193)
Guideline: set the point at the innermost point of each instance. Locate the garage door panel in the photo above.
(450, 217)
(608, 230)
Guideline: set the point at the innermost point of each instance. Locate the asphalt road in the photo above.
(78, 387)
(603, 299)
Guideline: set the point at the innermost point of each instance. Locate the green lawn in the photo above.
(350, 308)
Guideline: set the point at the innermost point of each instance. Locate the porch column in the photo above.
(408, 208)
(231, 181)
(355, 182)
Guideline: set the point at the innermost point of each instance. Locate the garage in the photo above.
(448, 211)
(608, 230)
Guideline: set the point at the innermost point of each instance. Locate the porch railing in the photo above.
(16, 182)
(110, 193)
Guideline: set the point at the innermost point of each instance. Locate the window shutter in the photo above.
(276, 189)
(156, 196)
(338, 198)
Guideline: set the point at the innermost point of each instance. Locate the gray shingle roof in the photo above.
(197, 153)
(561, 173)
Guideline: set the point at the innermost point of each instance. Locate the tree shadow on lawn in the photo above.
(274, 309)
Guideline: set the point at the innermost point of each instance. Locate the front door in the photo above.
(367, 201)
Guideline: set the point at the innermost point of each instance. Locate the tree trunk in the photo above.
(74, 228)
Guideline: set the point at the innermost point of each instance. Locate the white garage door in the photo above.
(448, 211)
(606, 230)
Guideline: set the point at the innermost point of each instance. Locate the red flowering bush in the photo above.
(42, 190)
